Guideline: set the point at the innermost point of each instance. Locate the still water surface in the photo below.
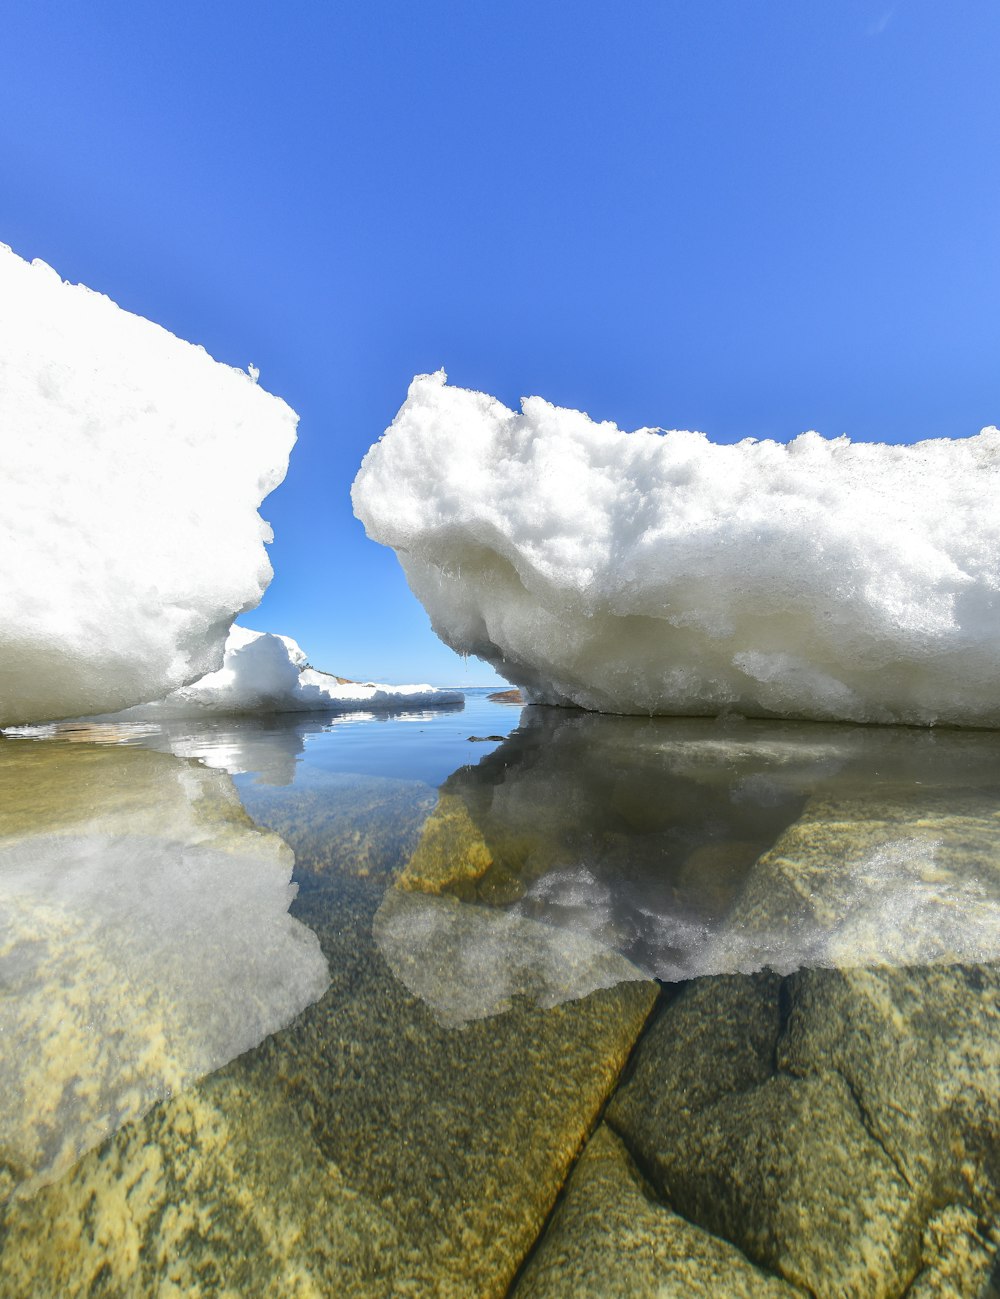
(458, 1002)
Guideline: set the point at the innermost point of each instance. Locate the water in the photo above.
(605, 1006)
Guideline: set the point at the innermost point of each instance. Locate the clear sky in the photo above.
(750, 219)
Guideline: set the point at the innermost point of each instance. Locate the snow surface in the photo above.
(266, 673)
(131, 469)
(653, 572)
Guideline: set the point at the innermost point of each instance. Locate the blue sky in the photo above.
(750, 219)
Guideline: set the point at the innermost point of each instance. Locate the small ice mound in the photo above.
(266, 673)
(131, 469)
(654, 572)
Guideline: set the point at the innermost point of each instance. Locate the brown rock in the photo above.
(610, 1239)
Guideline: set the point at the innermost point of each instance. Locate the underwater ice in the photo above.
(130, 475)
(653, 572)
(266, 673)
(145, 941)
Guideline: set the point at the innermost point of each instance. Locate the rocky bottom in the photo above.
(477, 1103)
(829, 1134)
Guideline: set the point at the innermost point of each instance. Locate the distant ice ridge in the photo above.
(653, 572)
(131, 469)
(266, 673)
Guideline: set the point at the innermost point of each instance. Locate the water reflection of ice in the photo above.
(697, 848)
(467, 962)
(145, 941)
(268, 745)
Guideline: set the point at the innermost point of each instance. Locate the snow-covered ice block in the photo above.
(131, 469)
(266, 673)
(654, 572)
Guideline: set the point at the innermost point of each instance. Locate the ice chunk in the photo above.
(266, 673)
(131, 469)
(660, 573)
(145, 941)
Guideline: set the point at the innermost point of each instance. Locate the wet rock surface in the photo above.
(611, 1239)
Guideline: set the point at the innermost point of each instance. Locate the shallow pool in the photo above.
(455, 1002)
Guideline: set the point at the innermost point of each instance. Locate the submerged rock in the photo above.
(883, 875)
(695, 847)
(214, 1192)
(958, 1258)
(920, 1049)
(661, 573)
(610, 1237)
(364, 1150)
(826, 1123)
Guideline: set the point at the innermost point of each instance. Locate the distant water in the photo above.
(304, 1005)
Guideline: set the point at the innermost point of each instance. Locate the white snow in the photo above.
(653, 572)
(267, 673)
(131, 469)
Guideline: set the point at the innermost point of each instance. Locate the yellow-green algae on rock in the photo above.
(824, 1123)
(213, 1193)
(611, 1239)
(451, 850)
(145, 940)
(842, 1125)
(891, 875)
(365, 1150)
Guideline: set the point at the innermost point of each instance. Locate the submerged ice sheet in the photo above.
(265, 673)
(145, 941)
(661, 573)
(131, 469)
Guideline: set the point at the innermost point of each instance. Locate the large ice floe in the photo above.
(131, 469)
(653, 572)
(266, 673)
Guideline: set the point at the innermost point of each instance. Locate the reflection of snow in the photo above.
(695, 849)
(467, 962)
(267, 745)
(145, 941)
